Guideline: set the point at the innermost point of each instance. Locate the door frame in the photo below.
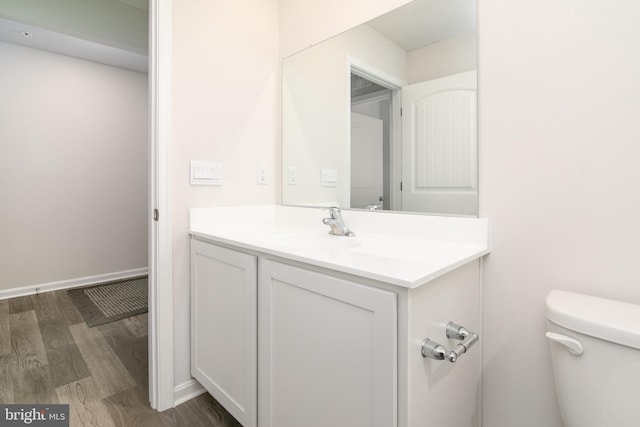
(161, 365)
(382, 78)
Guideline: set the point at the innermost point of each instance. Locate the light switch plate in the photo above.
(329, 178)
(206, 173)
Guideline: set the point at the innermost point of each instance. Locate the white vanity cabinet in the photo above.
(224, 328)
(292, 327)
(327, 350)
(284, 344)
(347, 352)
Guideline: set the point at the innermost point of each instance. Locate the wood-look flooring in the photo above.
(49, 355)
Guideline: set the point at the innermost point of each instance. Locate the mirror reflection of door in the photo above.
(439, 145)
(370, 144)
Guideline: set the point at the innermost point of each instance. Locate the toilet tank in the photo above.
(595, 352)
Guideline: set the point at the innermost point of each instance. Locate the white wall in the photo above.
(559, 93)
(73, 168)
(226, 80)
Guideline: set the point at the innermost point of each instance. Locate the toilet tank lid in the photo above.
(602, 318)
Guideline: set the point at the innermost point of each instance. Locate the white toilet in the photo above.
(595, 350)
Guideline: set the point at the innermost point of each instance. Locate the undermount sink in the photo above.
(304, 239)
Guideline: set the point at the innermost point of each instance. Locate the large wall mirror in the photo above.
(384, 116)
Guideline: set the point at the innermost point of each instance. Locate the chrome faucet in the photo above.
(336, 223)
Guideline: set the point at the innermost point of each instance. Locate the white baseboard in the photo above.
(71, 283)
(187, 391)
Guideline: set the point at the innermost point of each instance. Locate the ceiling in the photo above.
(112, 32)
(52, 41)
(140, 4)
(424, 22)
(418, 23)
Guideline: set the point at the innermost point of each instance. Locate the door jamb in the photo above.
(375, 75)
(161, 366)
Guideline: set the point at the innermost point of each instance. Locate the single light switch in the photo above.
(329, 178)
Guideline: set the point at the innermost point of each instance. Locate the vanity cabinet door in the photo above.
(223, 327)
(327, 351)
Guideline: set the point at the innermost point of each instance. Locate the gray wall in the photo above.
(73, 168)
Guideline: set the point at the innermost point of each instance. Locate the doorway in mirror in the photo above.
(370, 144)
(437, 146)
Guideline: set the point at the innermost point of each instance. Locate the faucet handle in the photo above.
(334, 211)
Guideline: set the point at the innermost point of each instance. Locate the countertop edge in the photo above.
(409, 284)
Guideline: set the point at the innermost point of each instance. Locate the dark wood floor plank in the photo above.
(69, 310)
(131, 350)
(85, 408)
(7, 372)
(65, 361)
(26, 341)
(201, 411)
(20, 304)
(34, 386)
(211, 406)
(110, 375)
(55, 306)
(45, 306)
(5, 335)
(130, 408)
(187, 415)
(137, 325)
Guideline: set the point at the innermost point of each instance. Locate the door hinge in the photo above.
(400, 111)
(156, 214)
(400, 185)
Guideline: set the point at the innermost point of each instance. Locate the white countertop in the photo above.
(402, 249)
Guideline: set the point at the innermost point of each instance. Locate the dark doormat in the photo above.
(111, 301)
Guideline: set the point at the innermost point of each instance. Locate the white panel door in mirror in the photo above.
(439, 145)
